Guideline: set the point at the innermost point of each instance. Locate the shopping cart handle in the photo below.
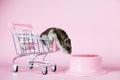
(13, 25)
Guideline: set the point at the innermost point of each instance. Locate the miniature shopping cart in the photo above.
(27, 43)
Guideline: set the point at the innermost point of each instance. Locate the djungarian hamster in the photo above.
(61, 38)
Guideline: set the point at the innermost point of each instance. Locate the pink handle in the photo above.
(13, 25)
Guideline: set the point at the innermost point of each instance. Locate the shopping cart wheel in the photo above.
(30, 65)
(15, 68)
(54, 68)
(44, 70)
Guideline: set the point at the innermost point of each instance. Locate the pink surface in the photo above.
(26, 74)
(93, 26)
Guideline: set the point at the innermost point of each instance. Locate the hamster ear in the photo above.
(67, 40)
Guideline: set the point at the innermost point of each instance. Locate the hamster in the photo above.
(61, 38)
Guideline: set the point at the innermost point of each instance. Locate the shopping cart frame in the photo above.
(30, 45)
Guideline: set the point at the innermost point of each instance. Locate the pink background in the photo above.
(93, 26)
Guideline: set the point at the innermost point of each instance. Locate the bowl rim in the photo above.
(85, 55)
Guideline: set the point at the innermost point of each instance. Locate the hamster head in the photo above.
(67, 46)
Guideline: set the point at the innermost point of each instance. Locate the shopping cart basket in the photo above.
(27, 43)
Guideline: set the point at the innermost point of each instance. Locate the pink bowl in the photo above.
(85, 65)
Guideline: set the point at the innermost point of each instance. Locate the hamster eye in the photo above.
(68, 48)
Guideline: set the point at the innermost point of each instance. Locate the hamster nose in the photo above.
(69, 50)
